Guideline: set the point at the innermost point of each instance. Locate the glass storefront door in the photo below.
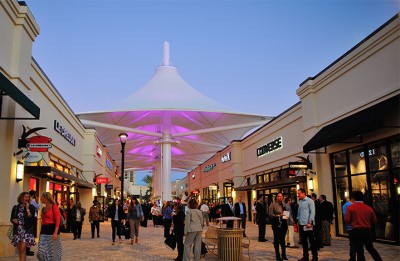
(374, 170)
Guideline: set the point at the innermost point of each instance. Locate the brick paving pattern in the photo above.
(151, 247)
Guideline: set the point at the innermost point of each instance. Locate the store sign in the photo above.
(300, 165)
(109, 164)
(100, 180)
(99, 152)
(371, 152)
(270, 147)
(209, 167)
(33, 157)
(340, 165)
(109, 187)
(226, 157)
(63, 132)
(39, 144)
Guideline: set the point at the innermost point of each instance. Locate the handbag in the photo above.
(170, 241)
(126, 230)
(204, 249)
(295, 228)
(10, 232)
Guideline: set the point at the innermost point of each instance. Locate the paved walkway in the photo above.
(151, 247)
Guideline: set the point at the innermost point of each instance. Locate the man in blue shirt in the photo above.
(306, 219)
(348, 227)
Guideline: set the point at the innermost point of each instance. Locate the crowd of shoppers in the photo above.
(311, 218)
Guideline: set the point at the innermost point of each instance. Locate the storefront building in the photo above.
(351, 122)
(342, 136)
(44, 145)
(273, 160)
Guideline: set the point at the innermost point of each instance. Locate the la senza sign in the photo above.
(226, 157)
(270, 147)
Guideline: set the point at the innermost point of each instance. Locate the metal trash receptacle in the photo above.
(229, 244)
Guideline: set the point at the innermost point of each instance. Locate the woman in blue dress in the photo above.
(22, 218)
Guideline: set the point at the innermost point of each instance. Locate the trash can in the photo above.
(229, 244)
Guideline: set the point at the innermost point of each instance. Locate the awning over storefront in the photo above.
(273, 184)
(56, 175)
(359, 123)
(9, 90)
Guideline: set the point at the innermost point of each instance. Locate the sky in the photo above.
(250, 55)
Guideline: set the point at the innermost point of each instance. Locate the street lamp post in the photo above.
(122, 137)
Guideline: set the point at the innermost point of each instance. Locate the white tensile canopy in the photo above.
(170, 126)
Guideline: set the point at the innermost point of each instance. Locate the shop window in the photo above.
(205, 193)
(275, 176)
(228, 189)
(59, 167)
(342, 196)
(357, 160)
(377, 157)
(260, 179)
(395, 154)
(34, 184)
(373, 169)
(340, 164)
(359, 182)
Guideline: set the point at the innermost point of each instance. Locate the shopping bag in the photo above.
(126, 230)
(295, 228)
(170, 241)
(204, 250)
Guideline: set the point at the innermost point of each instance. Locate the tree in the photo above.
(148, 179)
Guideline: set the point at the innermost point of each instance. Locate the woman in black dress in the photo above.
(178, 218)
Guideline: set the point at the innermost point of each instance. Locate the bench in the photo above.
(211, 239)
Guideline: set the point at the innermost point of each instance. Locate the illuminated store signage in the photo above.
(226, 157)
(108, 164)
(209, 167)
(99, 152)
(371, 152)
(63, 132)
(270, 147)
(100, 180)
(300, 165)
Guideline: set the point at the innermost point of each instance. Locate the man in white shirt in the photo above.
(205, 210)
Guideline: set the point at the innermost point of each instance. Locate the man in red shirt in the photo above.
(361, 217)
